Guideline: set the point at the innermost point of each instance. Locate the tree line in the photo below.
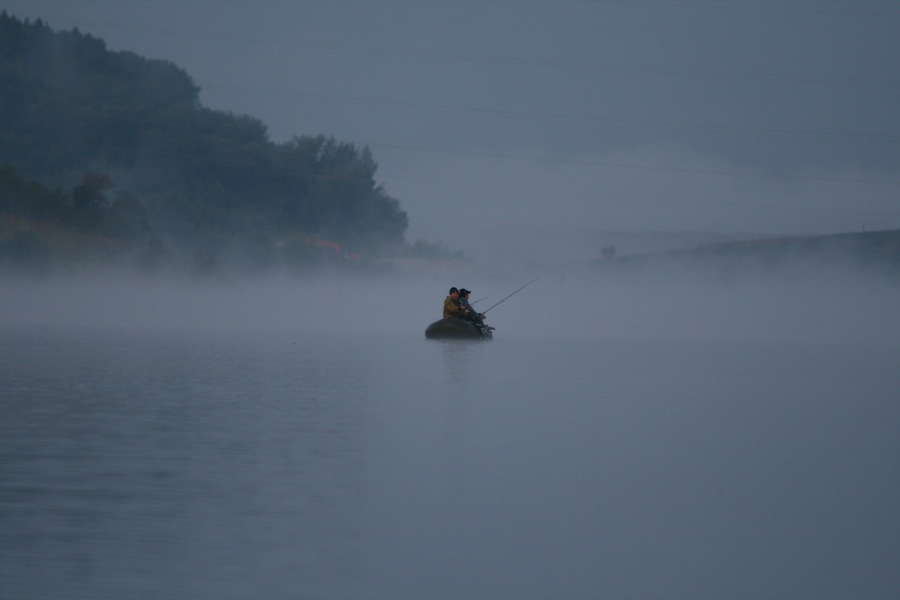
(143, 161)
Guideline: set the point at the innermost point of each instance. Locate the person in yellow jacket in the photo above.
(451, 307)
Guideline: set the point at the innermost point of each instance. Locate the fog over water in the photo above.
(643, 437)
(655, 431)
(654, 302)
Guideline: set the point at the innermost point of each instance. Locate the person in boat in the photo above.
(466, 311)
(451, 304)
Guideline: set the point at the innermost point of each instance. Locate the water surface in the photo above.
(238, 464)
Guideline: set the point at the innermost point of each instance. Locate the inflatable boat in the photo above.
(458, 329)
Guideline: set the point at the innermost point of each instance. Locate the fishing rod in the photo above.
(514, 293)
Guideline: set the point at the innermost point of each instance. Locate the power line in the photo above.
(530, 115)
(252, 164)
(654, 168)
(842, 8)
(668, 201)
(626, 69)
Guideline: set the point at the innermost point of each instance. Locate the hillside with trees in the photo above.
(116, 151)
(871, 253)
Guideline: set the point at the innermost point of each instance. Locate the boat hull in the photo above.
(456, 329)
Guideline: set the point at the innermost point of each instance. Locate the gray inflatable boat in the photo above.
(458, 329)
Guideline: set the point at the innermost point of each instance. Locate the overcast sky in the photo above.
(539, 118)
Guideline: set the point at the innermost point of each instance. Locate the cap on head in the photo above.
(464, 292)
(453, 290)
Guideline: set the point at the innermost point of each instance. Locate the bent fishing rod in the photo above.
(513, 294)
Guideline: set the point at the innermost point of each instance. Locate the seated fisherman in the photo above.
(466, 310)
(451, 306)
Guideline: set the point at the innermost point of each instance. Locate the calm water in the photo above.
(215, 464)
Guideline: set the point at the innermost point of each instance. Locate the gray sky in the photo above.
(497, 119)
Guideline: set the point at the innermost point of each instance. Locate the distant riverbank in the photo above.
(877, 251)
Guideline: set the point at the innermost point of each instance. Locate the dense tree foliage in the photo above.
(115, 125)
(40, 227)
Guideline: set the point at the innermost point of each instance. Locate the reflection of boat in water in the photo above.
(458, 329)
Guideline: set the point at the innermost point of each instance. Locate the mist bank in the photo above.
(120, 247)
(875, 254)
(833, 306)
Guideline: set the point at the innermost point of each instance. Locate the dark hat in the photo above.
(464, 291)
(453, 289)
